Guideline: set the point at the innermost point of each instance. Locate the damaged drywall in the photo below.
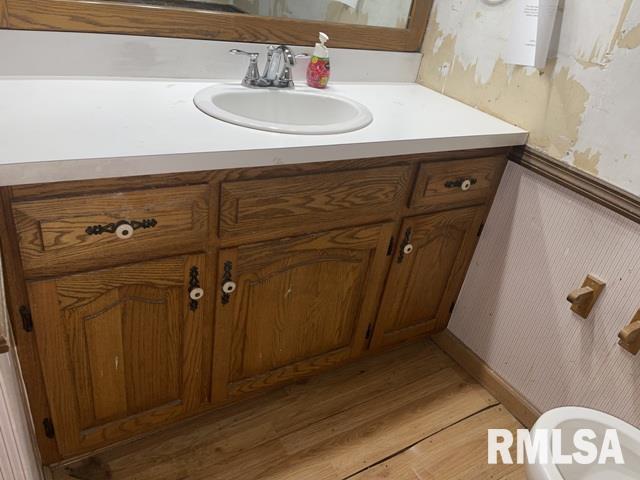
(583, 109)
(630, 39)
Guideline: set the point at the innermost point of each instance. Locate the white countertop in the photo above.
(54, 129)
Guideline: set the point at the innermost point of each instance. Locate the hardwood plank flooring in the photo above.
(459, 451)
(411, 413)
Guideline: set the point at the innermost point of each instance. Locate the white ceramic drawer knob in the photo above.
(408, 249)
(124, 231)
(229, 287)
(466, 185)
(196, 294)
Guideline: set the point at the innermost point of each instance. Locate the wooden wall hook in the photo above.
(630, 336)
(584, 298)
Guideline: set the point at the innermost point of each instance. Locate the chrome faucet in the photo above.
(278, 71)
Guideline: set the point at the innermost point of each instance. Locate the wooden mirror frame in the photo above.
(99, 16)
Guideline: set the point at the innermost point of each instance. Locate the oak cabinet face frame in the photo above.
(234, 296)
(103, 16)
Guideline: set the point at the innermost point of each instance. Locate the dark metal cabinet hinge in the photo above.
(48, 428)
(480, 230)
(27, 320)
(369, 331)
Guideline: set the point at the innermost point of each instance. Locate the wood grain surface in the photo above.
(301, 305)
(313, 247)
(350, 421)
(419, 284)
(16, 296)
(120, 349)
(431, 189)
(4, 14)
(513, 400)
(297, 204)
(457, 452)
(112, 17)
(53, 238)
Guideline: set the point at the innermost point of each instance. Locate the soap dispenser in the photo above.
(319, 69)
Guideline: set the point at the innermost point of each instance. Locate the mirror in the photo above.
(373, 13)
(390, 25)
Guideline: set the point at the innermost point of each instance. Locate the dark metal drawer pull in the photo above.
(228, 285)
(406, 248)
(462, 183)
(124, 228)
(195, 291)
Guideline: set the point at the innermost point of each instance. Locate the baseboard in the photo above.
(512, 400)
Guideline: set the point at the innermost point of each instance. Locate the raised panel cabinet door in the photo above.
(428, 268)
(121, 349)
(288, 308)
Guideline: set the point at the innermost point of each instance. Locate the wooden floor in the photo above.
(408, 414)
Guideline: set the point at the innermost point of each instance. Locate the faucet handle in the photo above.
(286, 80)
(252, 77)
(251, 55)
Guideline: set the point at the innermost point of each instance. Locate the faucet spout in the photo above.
(280, 60)
(278, 71)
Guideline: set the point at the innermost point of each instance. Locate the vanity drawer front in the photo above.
(457, 182)
(85, 232)
(255, 208)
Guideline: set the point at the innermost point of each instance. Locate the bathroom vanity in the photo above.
(158, 269)
(148, 299)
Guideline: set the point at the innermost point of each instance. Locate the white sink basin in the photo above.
(300, 111)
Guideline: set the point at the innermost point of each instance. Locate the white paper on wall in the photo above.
(531, 32)
(350, 3)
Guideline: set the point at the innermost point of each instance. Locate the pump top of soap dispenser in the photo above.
(321, 51)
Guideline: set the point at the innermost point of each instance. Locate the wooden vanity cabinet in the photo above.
(120, 349)
(294, 268)
(298, 305)
(426, 273)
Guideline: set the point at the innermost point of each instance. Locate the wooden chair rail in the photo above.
(614, 198)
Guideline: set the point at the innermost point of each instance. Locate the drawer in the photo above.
(257, 208)
(93, 231)
(455, 182)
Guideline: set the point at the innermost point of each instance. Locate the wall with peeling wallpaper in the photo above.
(584, 109)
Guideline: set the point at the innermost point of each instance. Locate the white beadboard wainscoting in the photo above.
(539, 243)
(18, 459)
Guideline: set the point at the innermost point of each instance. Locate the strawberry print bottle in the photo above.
(319, 69)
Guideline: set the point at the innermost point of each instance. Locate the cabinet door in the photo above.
(301, 304)
(427, 272)
(121, 349)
